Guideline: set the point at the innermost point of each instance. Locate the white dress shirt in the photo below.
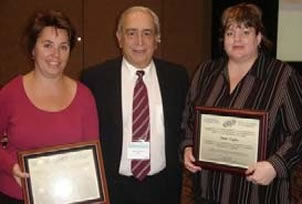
(157, 131)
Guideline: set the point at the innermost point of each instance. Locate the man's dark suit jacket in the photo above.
(105, 82)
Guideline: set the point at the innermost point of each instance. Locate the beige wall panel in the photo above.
(186, 36)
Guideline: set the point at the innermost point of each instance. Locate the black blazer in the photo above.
(105, 82)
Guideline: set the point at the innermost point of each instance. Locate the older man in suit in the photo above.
(140, 154)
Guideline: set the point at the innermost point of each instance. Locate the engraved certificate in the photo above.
(66, 177)
(229, 140)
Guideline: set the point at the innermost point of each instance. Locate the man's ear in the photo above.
(119, 39)
(158, 40)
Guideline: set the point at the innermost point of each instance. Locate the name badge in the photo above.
(139, 150)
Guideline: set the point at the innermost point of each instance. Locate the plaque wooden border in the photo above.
(25, 156)
(262, 116)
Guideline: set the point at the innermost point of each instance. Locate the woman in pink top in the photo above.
(44, 107)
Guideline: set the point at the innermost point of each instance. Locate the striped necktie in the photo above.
(140, 125)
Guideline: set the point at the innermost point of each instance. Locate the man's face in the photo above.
(138, 39)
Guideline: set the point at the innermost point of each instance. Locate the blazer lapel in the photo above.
(163, 85)
(116, 99)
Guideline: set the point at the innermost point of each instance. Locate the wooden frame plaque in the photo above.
(72, 174)
(229, 139)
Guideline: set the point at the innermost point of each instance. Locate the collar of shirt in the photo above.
(131, 70)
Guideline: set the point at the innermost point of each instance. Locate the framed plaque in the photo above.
(229, 139)
(72, 173)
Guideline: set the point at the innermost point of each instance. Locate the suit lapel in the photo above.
(117, 101)
(163, 85)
